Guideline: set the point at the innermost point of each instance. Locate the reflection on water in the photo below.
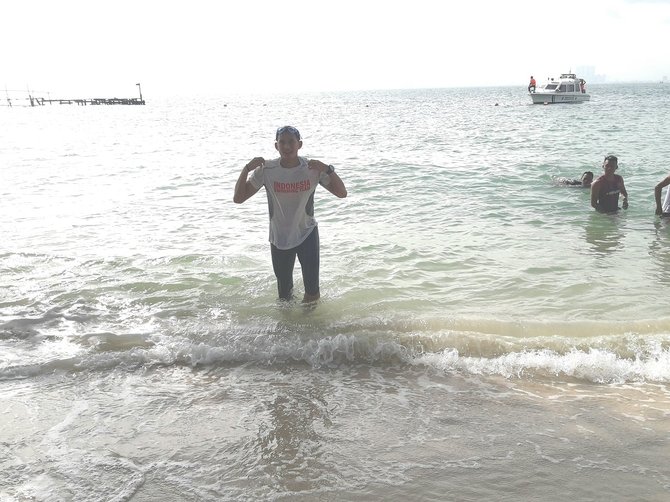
(659, 249)
(290, 439)
(603, 233)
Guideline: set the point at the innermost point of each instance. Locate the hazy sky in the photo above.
(102, 48)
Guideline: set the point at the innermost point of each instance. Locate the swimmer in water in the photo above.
(583, 182)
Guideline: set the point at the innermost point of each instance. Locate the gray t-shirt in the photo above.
(290, 194)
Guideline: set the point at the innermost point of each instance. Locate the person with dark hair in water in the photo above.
(290, 182)
(583, 182)
(662, 209)
(606, 189)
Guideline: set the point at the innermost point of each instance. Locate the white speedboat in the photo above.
(566, 89)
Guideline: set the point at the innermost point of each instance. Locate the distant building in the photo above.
(589, 74)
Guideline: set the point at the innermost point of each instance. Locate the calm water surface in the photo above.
(482, 334)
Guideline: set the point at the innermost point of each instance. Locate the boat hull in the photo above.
(548, 98)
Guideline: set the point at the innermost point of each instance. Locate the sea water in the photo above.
(482, 334)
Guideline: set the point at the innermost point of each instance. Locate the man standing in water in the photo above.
(290, 182)
(662, 209)
(605, 190)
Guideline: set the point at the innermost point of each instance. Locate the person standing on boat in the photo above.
(531, 86)
(662, 209)
(606, 189)
(290, 182)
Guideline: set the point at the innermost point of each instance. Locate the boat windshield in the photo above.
(551, 87)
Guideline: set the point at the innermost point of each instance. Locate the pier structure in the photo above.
(35, 101)
(41, 101)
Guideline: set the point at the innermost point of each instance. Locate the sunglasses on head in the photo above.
(289, 129)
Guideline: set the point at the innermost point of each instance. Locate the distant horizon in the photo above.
(11, 93)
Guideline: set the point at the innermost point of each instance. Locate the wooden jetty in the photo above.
(40, 101)
(34, 101)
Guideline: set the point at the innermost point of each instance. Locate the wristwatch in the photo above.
(330, 170)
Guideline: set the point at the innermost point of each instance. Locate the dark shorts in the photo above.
(283, 261)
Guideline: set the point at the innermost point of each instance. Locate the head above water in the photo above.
(587, 177)
(288, 143)
(610, 162)
(288, 129)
